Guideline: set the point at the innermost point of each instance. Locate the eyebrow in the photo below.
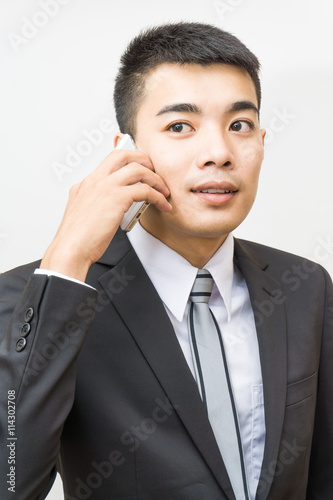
(241, 106)
(186, 107)
(183, 107)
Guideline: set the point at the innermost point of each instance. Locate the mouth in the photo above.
(215, 193)
(212, 191)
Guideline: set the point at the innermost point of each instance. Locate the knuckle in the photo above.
(146, 190)
(73, 190)
(86, 182)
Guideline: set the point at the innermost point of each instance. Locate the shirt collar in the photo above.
(165, 267)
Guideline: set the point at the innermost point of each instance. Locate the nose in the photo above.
(214, 149)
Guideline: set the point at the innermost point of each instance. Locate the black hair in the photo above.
(179, 43)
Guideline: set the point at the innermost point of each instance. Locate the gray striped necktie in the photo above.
(214, 381)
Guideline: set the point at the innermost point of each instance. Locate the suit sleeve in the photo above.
(43, 324)
(320, 485)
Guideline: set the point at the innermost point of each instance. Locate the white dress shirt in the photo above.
(231, 306)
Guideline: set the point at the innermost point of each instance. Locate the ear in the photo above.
(263, 133)
(117, 138)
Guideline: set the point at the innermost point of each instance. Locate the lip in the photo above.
(215, 199)
(223, 186)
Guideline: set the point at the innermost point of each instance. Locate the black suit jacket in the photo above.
(103, 392)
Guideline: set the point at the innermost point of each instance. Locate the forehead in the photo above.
(215, 84)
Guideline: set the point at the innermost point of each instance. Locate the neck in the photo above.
(197, 250)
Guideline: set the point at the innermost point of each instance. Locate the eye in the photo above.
(180, 127)
(242, 126)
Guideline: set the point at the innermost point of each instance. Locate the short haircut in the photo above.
(178, 43)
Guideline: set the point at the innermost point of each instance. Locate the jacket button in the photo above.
(20, 344)
(29, 315)
(25, 330)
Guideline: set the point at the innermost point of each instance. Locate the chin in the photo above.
(191, 224)
(206, 229)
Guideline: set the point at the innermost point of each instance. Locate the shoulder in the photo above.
(262, 252)
(282, 265)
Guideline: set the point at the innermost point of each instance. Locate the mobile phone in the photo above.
(134, 213)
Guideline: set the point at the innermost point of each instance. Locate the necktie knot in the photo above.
(202, 288)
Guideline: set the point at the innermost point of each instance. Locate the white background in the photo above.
(57, 81)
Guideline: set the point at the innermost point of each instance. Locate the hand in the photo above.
(96, 207)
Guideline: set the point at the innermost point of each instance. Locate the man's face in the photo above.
(199, 126)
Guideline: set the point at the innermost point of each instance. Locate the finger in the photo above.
(144, 192)
(134, 173)
(119, 159)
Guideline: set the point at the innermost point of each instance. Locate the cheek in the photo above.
(251, 160)
(171, 167)
(252, 154)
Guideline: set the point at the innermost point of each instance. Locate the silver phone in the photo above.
(134, 213)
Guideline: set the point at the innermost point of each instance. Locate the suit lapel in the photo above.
(144, 315)
(142, 311)
(267, 303)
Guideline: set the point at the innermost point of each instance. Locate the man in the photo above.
(108, 380)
